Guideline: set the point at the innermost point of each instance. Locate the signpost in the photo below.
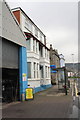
(53, 67)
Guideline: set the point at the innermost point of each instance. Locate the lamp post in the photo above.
(73, 62)
(73, 75)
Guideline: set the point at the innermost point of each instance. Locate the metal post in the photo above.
(73, 62)
(65, 81)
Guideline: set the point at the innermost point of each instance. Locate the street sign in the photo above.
(29, 93)
(53, 67)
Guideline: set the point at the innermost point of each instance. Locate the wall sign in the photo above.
(24, 77)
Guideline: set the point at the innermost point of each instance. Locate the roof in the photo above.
(14, 34)
(14, 18)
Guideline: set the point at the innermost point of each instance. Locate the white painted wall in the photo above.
(33, 56)
(25, 28)
(34, 83)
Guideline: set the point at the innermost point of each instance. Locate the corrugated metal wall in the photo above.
(0, 52)
(10, 54)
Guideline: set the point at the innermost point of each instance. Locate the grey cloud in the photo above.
(58, 21)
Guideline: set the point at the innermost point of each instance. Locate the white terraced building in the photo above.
(37, 52)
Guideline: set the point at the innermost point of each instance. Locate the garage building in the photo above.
(13, 56)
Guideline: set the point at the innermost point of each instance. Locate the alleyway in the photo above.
(47, 104)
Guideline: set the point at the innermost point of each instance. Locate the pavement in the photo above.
(51, 103)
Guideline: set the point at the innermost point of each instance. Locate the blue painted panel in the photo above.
(41, 88)
(53, 66)
(23, 70)
(53, 71)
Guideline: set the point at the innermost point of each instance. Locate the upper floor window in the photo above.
(45, 53)
(36, 32)
(28, 25)
(28, 44)
(40, 50)
(34, 45)
(40, 37)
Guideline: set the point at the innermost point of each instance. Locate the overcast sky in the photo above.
(58, 21)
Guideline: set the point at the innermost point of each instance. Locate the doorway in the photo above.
(10, 85)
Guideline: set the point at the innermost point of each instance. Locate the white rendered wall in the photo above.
(34, 83)
(33, 56)
(32, 31)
